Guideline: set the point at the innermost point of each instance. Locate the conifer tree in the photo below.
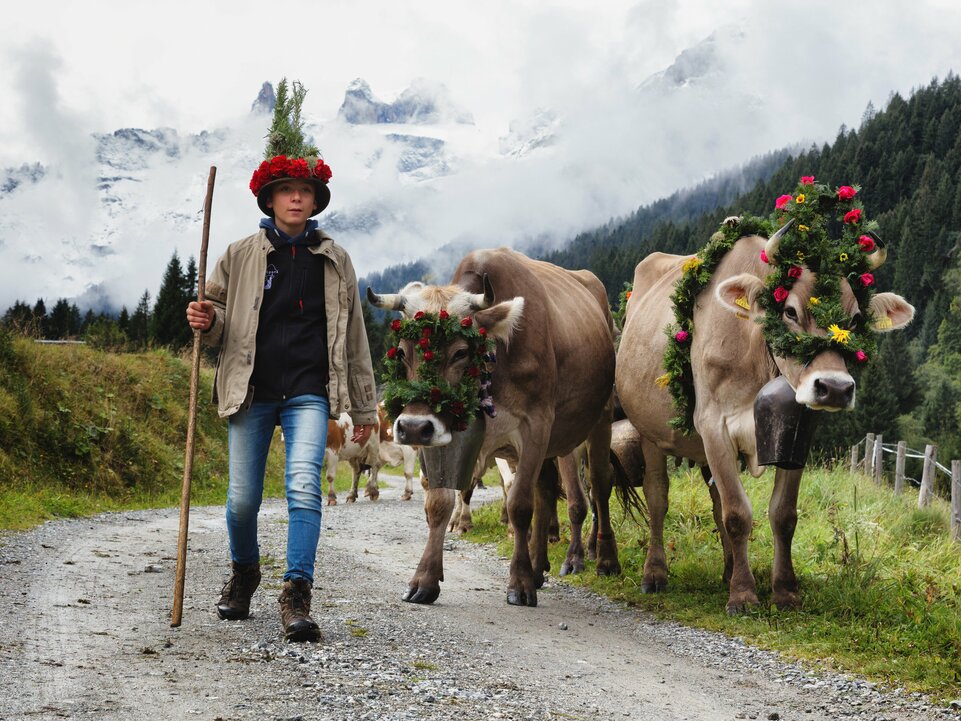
(138, 328)
(167, 325)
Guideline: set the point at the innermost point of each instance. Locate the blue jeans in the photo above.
(304, 423)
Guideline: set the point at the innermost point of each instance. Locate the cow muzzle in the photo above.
(417, 430)
(831, 391)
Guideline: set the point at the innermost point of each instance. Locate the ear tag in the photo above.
(883, 322)
(742, 302)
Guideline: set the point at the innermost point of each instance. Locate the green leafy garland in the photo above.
(430, 331)
(814, 212)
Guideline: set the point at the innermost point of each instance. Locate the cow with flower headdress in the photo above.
(514, 359)
(710, 340)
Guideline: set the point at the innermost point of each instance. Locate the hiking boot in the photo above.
(295, 611)
(234, 603)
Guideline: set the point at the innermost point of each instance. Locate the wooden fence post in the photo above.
(956, 500)
(878, 459)
(854, 458)
(869, 455)
(927, 476)
(899, 468)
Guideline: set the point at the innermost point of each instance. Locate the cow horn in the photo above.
(879, 255)
(770, 248)
(480, 301)
(387, 301)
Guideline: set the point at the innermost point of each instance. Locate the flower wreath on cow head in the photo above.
(430, 331)
(821, 228)
(288, 154)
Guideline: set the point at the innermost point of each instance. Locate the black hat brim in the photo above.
(321, 195)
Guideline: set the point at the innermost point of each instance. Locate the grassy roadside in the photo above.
(880, 580)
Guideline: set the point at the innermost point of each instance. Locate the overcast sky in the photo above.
(72, 69)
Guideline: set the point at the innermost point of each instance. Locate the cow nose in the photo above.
(833, 392)
(415, 431)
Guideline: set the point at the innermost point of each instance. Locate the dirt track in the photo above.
(84, 633)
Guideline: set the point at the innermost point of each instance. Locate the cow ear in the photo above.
(889, 311)
(739, 294)
(501, 320)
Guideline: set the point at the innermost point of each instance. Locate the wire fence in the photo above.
(872, 465)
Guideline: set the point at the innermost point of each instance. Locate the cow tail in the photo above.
(626, 489)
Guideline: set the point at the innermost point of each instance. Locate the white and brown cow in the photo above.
(341, 448)
(395, 454)
(731, 363)
(551, 387)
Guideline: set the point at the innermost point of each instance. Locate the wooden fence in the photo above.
(873, 465)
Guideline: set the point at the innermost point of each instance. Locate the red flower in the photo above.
(852, 216)
(424, 343)
(861, 356)
(780, 294)
(457, 408)
(297, 168)
(435, 394)
(473, 371)
(846, 192)
(807, 180)
(395, 325)
(782, 201)
(278, 166)
(391, 352)
(764, 257)
(427, 331)
(794, 272)
(681, 336)
(867, 279)
(444, 315)
(418, 315)
(428, 355)
(482, 331)
(322, 171)
(467, 322)
(460, 426)
(867, 243)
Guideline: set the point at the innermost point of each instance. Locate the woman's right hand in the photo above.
(200, 316)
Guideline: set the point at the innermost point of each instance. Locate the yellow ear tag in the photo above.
(742, 301)
(883, 322)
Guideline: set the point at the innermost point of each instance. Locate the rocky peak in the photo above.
(265, 100)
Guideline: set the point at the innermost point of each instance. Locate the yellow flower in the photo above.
(799, 199)
(838, 335)
(803, 228)
(662, 381)
(691, 264)
(800, 255)
(813, 300)
(843, 257)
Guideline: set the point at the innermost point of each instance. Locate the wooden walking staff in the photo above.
(177, 613)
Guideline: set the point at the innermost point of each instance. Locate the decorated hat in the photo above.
(288, 155)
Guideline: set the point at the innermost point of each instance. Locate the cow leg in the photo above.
(331, 461)
(372, 491)
(736, 515)
(424, 586)
(355, 468)
(545, 497)
(719, 523)
(576, 512)
(462, 521)
(782, 511)
(599, 463)
(408, 454)
(656, 487)
(521, 588)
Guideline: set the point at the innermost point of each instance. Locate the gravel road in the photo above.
(84, 633)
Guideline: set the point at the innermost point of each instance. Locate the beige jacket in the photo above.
(236, 289)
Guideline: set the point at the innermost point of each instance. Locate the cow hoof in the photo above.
(520, 598)
(406, 496)
(331, 501)
(608, 569)
(416, 594)
(743, 604)
(351, 499)
(787, 601)
(571, 566)
(372, 494)
(653, 586)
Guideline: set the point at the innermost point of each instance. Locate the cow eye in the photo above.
(855, 321)
(791, 313)
(459, 355)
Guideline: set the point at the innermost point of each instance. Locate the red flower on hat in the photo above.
(780, 294)
(782, 201)
(867, 243)
(852, 216)
(322, 171)
(846, 192)
(297, 168)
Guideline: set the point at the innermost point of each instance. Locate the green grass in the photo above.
(880, 580)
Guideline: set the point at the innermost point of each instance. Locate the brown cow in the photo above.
(731, 363)
(552, 385)
(341, 448)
